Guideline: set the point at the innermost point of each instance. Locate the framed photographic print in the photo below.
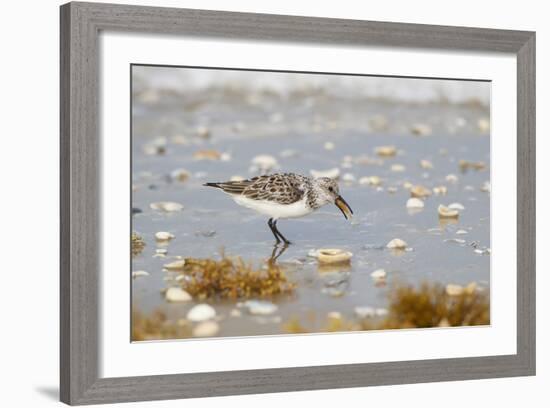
(284, 202)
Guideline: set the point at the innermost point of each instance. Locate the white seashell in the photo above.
(396, 243)
(461, 232)
(421, 129)
(177, 295)
(397, 168)
(415, 203)
(206, 329)
(381, 312)
(370, 180)
(203, 132)
(456, 206)
(164, 236)
(446, 212)
(364, 311)
(454, 290)
(175, 265)
(137, 274)
(334, 315)
(333, 255)
(451, 178)
(260, 307)
(225, 157)
(201, 313)
(378, 274)
(426, 164)
(386, 151)
(333, 173)
(329, 146)
(440, 190)
(235, 313)
(264, 162)
(486, 187)
(166, 206)
(180, 175)
(348, 177)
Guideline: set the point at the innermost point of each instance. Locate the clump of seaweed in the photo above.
(430, 305)
(137, 244)
(156, 326)
(232, 278)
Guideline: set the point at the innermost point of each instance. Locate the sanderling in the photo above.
(285, 195)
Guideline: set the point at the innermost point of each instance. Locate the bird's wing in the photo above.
(277, 188)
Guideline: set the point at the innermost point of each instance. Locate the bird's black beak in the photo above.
(344, 207)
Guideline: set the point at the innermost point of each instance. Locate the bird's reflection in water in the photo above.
(276, 253)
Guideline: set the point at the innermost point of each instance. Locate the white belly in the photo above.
(274, 210)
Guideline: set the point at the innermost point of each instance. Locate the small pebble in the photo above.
(177, 295)
(201, 313)
(163, 236)
(260, 307)
(166, 206)
(206, 329)
(415, 203)
(396, 243)
(138, 274)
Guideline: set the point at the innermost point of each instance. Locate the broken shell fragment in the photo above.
(166, 206)
(201, 313)
(486, 187)
(164, 236)
(420, 192)
(180, 175)
(333, 173)
(138, 274)
(426, 164)
(446, 212)
(466, 165)
(456, 206)
(396, 243)
(348, 178)
(176, 265)
(333, 255)
(484, 125)
(364, 312)
(397, 168)
(206, 329)
(207, 154)
(415, 203)
(370, 180)
(329, 146)
(421, 129)
(386, 151)
(451, 178)
(177, 295)
(378, 274)
(440, 190)
(260, 307)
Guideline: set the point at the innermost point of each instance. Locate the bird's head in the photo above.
(329, 192)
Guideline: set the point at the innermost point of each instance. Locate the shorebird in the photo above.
(286, 195)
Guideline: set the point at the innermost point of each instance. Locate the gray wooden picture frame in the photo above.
(81, 24)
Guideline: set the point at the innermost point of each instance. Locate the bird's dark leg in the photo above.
(273, 229)
(286, 241)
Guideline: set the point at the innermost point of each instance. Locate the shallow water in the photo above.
(245, 126)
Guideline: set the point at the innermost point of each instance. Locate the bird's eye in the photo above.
(330, 189)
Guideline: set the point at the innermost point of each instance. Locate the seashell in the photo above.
(235, 313)
(206, 329)
(454, 290)
(378, 274)
(203, 132)
(451, 178)
(180, 175)
(348, 178)
(332, 255)
(161, 251)
(415, 203)
(380, 311)
(264, 162)
(166, 206)
(426, 164)
(440, 190)
(461, 232)
(456, 206)
(329, 146)
(201, 313)
(179, 140)
(225, 157)
(334, 315)
(364, 312)
(407, 185)
(333, 173)
(370, 180)
(386, 151)
(421, 129)
(260, 307)
(163, 236)
(176, 265)
(177, 295)
(466, 165)
(153, 150)
(138, 274)
(484, 125)
(456, 241)
(486, 187)
(396, 243)
(420, 192)
(397, 168)
(207, 154)
(446, 212)
(236, 178)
